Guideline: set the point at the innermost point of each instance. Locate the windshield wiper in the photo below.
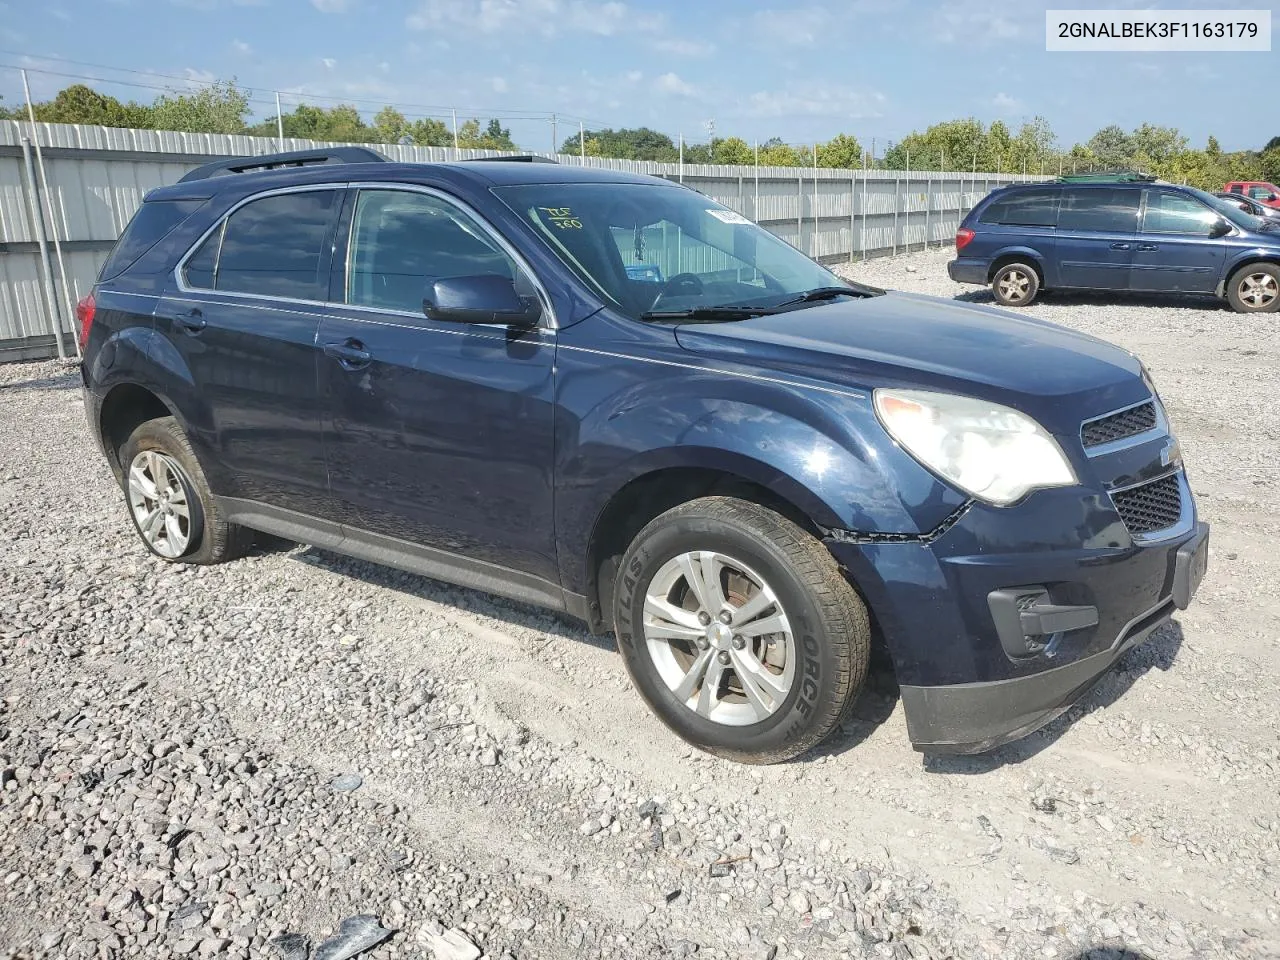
(830, 293)
(709, 314)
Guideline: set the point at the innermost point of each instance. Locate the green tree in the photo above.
(341, 124)
(732, 150)
(81, 104)
(842, 150)
(640, 143)
(389, 125)
(775, 153)
(429, 132)
(219, 108)
(1113, 148)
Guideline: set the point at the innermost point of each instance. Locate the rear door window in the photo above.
(1099, 210)
(1177, 213)
(274, 246)
(153, 222)
(1025, 208)
(1260, 193)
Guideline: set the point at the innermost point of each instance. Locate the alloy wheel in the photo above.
(1014, 286)
(158, 496)
(719, 638)
(1259, 290)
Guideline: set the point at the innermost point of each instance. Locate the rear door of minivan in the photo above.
(1097, 232)
(1020, 222)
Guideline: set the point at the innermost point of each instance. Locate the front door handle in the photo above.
(192, 322)
(1119, 246)
(350, 353)
(1147, 246)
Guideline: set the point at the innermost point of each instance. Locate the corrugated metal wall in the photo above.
(97, 177)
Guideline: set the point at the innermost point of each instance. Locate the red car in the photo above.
(1263, 192)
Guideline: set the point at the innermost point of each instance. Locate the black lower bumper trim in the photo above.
(968, 718)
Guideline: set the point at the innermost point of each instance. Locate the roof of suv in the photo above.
(484, 174)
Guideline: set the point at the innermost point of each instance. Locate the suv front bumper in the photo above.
(963, 688)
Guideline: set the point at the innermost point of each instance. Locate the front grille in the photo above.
(1152, 506)
(1117, 426)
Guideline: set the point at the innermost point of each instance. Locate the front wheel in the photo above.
(1255, 288)
(1015, 284)
(739, 630)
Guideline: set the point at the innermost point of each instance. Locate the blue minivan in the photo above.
(1129, 233)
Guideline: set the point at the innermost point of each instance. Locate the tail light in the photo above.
(85, 310)
(963, 236)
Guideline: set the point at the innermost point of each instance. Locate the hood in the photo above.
(905, 339)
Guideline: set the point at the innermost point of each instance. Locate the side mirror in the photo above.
(486, 298)
(1219, 228)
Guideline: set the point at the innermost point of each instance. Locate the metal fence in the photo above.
(66, 192)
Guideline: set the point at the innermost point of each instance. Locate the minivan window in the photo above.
(1100, 209)
(1024, 208)
(1177, 213)
(275, 247)
(401, 240)
(153, 222)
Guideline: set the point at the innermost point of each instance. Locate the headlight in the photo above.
(989, 451)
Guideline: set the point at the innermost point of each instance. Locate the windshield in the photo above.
(659, 251)
(1229, 210)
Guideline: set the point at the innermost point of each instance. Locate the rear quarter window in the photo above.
(153, 222)
(1026, 208)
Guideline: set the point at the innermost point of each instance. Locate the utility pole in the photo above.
(455, 133)
(279, 124)
(681, 158)
(553, 134)
(582, 142)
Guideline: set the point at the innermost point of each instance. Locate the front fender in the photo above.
(821, 450)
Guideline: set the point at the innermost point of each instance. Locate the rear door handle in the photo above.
(192, 322)
(350, 353)
(1148, 246)
(1119, 246)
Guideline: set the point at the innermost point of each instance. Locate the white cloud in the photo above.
(680, 47)
(821, 101)
(384, 67)
(1004, 103)
(976, 22)
(672, 84)
(331, 6)
(798, 27)
(545, 17)
(499, 84)
(329, 63)
(242, 48)
(634, 76)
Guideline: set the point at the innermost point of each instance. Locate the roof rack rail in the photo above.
(1118, 176)
(515, 158)
(273, 161)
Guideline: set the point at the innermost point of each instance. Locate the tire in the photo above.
(1015, 284)
(160, 470)
(805, 673)
(1255, 288)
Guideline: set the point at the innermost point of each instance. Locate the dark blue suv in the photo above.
(611, 396)
(1128, 233)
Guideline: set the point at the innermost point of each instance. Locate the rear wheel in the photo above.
(169, 499)
(1015, 284)
(1255, 288)
(739, 630)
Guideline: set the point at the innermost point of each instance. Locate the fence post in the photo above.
(853, 190)
(862, 238)
(800, 211)
(46, 273)
(906, 210)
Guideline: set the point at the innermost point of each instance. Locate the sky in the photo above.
(803, 72)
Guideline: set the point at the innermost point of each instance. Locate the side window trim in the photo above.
(1151, 193)
(549, 319)
(179, 271)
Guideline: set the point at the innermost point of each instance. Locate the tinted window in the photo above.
(1176, 213)
(1025, 208)
(1099, 209)
(151, 224)
(402, 240)
(200, 265)
(1260, 193)
(275, 246)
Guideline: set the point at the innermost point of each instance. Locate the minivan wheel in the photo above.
(1015, 284)
(169, 499)
(1255, 288)
(739, 630)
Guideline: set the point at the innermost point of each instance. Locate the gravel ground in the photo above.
(197, 761)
